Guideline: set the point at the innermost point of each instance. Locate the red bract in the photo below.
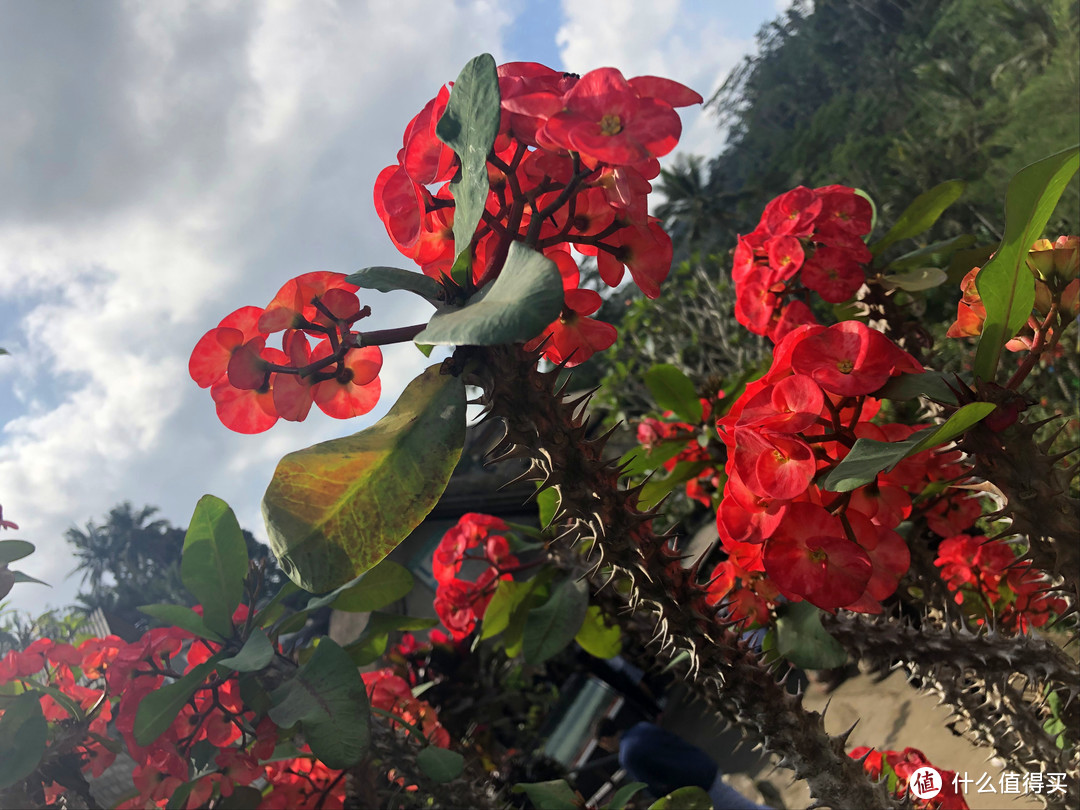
(848, 359)
(574, 338)
(210, 358)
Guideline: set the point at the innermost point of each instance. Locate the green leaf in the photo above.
(933, 253)
(685, 798)
(935, 385)
(526, 297)
(19, 576)
(639, 461)
(425, 348)
(916, 279)
(552, 795)
(183, 617)
(256, 653)
(376, 635)
(440, 764)
(23, 735)
(334, 510)
(552, 626)
(802, 640)
(624, 794)
(469, 127)
(389, 279)
(178, 798)
(244, 797)
(12, 550)
(598, 638)
(508, 595)
(271, 611)
(868, 457)
(921, 214)
(159, 709)
(327, 697)
(674, 391)
(214, 563)
(656, 489)
(69, 705)
(383, 585)
(548, 501)
(873, 211)
(1006, 285)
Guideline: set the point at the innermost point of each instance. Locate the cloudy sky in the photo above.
(162, 164)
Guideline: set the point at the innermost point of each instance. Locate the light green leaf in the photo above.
(548, 501)
(508, 595)
(469, 127)
(440, 764)
(868, 457)
(598, 638)
(934, 253)
(1006, 285)
(19, 576)
(656, 488)
(624, 794)
(214, 563)
(183, 617)
(639, 461)
(526, 297)
(916, 279)
(552, 626)
(674, 391)
(327, 697)
(802, 640)
(256, 653)
(383, 585)
(23, 735)
(921, 214)
(389, 279)
(685, 798)
(551, 795)
(334, 510)
(12, 550)
(159, 709)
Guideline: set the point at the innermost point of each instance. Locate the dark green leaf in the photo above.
(674, 391)
(935, 385)
(159, 709)
(552, 626)
(389, 279)
(440, 764)
(23, 735)
(214, 563)
(552, 795)
(624, 794)
(69, 705)
(656, 489)
(685, 798)
(383, 585)
(256, 653)
(244, 797)
(921, 214)
(526, 297)
(183, 617)
(1006, 285)
(12, 550)
(327, 697)
(178, 798)
(802, 640)
(598, 638)
(469, 127)
(931, 254)
(868, 457)
(334, 510)
(271, 611)
(19, 576)
(376, 635)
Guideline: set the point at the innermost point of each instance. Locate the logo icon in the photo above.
(925, 783)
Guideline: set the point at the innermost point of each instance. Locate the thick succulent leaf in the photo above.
(597, 637)
(440, 764)
(623, 795)
(526, 297)
(256, 653)
(469, 127)
(12, 550)
(1006, 285)
(327, 698)
(334, 510)
(935, 385)
(23, 735)
(214, 563)
(802, 640)
(389, 279)
(674, 391)
(921, 214)
(552, 626)
(868, 457)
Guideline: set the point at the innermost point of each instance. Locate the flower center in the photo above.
(845, 366)
(610, 124)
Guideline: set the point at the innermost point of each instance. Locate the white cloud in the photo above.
(168, 163)
(684, 41)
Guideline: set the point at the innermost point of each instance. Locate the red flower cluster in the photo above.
(903, 764)
(253, 385)
(461, 603)
(786, 431)
(807, 240)
(392, 693)
(570, 167)
(988, 580)
(652, 432)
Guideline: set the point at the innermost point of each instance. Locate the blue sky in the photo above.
(166, 163)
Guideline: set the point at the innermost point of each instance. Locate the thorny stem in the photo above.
(1039, 346)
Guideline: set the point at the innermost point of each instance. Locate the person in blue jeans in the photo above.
(665, 762)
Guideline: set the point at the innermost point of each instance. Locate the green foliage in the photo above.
(159, 708)
(685, 798)
(336, 509)
(552, 626)
(923, 212)
(440, 764)
(551, 795)
(182, 617)
(802, 640)
(389, 279)
(526, 297)
(23, 735)
(214, 562)
(376, 635)
(256, 653)
(674, 391)
(597, 637)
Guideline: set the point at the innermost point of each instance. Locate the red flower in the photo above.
(848, 359)
(574, 337)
